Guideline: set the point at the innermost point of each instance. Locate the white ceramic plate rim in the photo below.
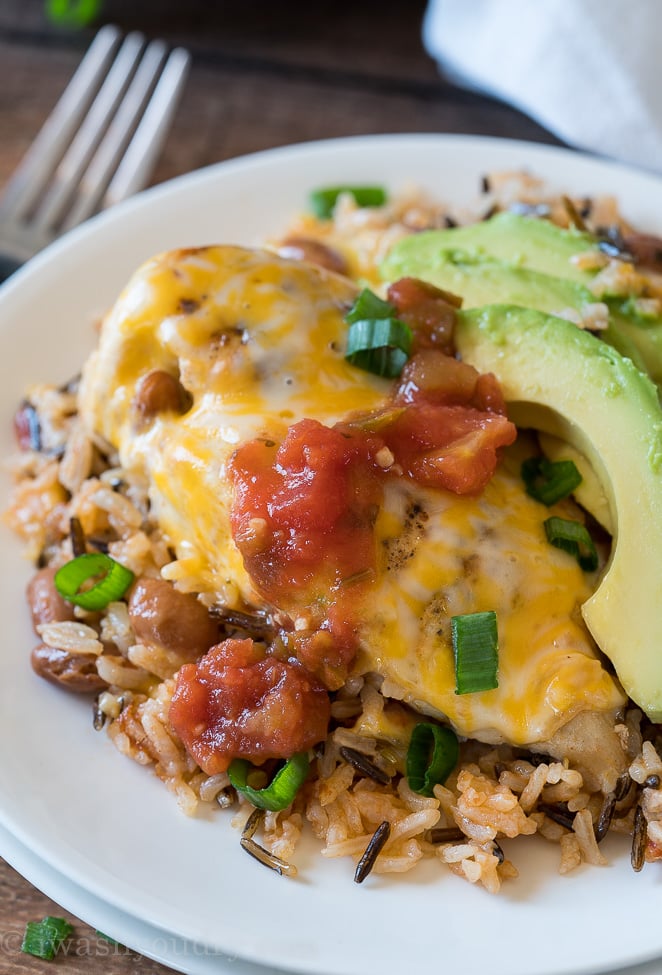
(128, 931)
(108, 825)
(125, 929)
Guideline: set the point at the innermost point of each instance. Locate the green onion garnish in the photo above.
(380, 346)
(73, 13)
(431, 757)
(113, 580)
(549, 481)
(377, 341)
(475, 645)
(43, 938)
(572, 537)
(282, 789)
(323, 201)
(369, 305)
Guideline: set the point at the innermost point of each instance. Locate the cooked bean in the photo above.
(45, 602)
(160, 392)
(165, 617)
(646, 249)
(74, 671)
(314, 252)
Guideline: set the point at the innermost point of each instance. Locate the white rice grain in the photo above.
(71, 636)
(583, 829)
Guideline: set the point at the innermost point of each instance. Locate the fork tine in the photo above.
(135, 167)
(29, 179)
(95, 180)
(90, 133)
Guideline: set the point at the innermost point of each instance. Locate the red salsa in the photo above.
(237, 702)
(303, 518)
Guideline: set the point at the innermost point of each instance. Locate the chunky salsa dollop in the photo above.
(303, 518)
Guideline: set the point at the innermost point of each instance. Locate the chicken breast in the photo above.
(250, 343)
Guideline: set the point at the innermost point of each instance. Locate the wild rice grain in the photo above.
(639, 837)
(558, 814)
(605, 817)
(364, 765)
(78, 541)
(281, 867)
(372, 851)
(252, 824)
(226, 798)
(446, 834)
(98, 718)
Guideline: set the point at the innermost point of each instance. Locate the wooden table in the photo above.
(263, 75)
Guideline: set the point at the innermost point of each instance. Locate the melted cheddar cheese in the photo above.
(257, 342)
(446, 555)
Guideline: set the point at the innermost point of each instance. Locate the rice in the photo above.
(495, 792)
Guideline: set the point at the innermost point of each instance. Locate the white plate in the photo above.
(107, 824)
(126, 930)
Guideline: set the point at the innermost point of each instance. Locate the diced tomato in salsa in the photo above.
(314, 499)
(429, 311)
(452, 447)
(432, 377)
(237, 702)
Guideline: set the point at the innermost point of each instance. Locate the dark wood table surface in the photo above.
(263, 74)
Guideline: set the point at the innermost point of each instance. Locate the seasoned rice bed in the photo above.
(495, 792)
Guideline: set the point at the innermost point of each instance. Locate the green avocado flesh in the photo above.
(561, 380)
(508, 238)
(528, 262)
(591, 399)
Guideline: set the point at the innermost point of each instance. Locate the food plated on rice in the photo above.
(335, 530)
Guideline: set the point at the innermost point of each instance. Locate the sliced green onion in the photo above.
(377, 341)
(73, 13)
(549, 481)
(380, 346)
(369, 305)
(114, 582)
(476, 646)
(431, 757)
(323, 201)
(572, 537)
(282, 789)
(43, 938)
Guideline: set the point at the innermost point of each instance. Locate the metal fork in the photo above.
(98, 145)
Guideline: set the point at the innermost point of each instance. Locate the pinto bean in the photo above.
(646, 250)
(45, 602)
(160, 392)
(314, 252)
(75, 672)
(165, 617)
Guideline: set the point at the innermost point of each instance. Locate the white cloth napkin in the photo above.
(588, 70)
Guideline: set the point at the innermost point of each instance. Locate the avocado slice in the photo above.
(509, 238)
(524, 261)
(564, 381)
